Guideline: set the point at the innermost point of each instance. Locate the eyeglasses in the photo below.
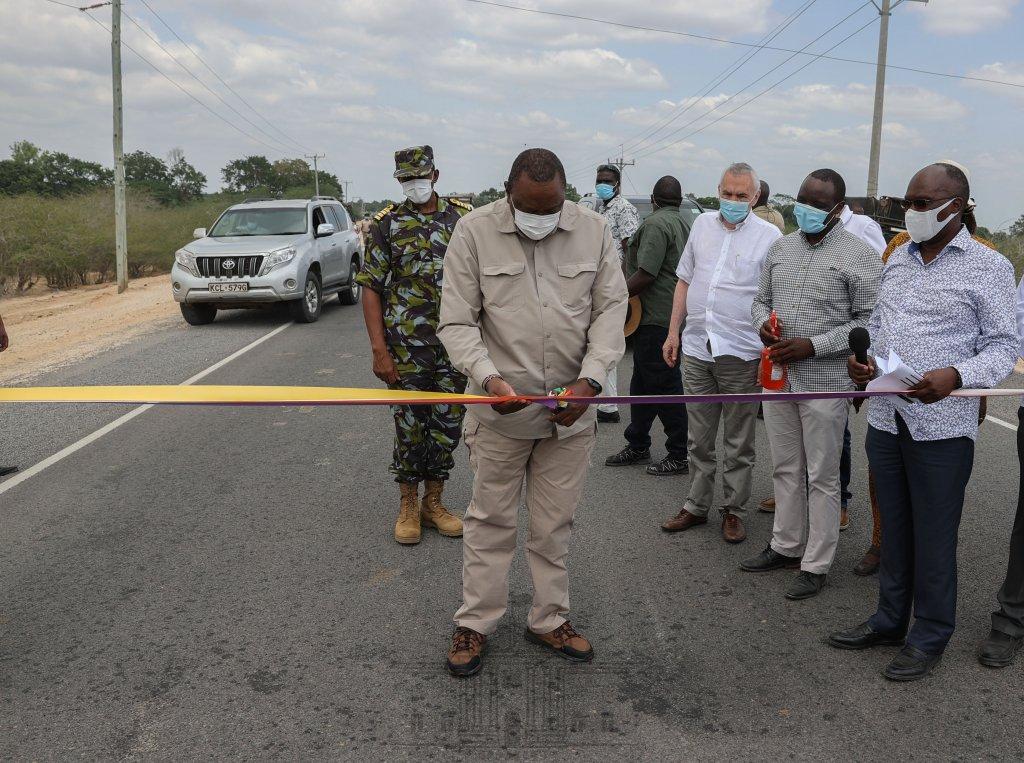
(921, 205)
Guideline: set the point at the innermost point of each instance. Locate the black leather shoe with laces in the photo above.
(629, 456)
(669, 466)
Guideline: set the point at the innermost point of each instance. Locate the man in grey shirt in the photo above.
(821, 281)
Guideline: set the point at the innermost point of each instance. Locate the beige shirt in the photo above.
(541, 314)
(771, 215)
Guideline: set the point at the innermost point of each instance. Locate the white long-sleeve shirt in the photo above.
(864, 228)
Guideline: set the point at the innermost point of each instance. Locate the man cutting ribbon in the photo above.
(534, 299)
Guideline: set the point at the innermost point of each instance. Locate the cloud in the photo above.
(1004, 72)
(959, 17)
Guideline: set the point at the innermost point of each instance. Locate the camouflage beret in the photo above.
(415, 162)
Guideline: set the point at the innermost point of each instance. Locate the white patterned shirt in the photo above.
(957, 311)
(820, 292)
(722, 268)
(622, 218)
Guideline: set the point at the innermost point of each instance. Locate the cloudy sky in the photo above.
(356, 79)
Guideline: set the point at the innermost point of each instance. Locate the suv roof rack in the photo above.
(327, 198)
(260, 198)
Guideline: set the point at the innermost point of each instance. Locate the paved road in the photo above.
(221, 582)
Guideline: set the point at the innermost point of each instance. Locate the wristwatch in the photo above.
(597, 387)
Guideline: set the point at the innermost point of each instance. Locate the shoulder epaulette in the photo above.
(460, 203)
(380, 215)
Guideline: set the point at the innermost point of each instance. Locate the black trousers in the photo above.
(1010, 617)
(920, 488)
(652, 376)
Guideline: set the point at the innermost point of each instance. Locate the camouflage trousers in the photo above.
(425, 435)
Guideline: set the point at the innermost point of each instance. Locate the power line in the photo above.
(202, 84)
(221, 79)
(767, 89)
(159, 71)
(749, 85)
(686, 104)
(710, 38)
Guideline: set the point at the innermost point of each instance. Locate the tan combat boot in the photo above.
(407, 528)
(434, 514)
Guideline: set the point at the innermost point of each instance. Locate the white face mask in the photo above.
(418, 190)
(924, 226)
(536, 227)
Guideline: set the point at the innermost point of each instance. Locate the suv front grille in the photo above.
(213, 267)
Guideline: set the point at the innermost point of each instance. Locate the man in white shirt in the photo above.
(718, 279)
(864, 228)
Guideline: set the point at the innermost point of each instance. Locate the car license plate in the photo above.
(227, 288)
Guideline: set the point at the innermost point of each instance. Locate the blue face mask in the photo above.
(604, 191)
(733, 211)
(810, 219)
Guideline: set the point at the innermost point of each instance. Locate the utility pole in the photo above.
(316, 170)
(620, 163)
(885, 11)
(345, 183)
(120, 223)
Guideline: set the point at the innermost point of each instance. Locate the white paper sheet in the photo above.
(896, 376)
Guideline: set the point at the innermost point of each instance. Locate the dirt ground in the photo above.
(55, 328)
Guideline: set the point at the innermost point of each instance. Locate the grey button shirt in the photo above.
(820, 292)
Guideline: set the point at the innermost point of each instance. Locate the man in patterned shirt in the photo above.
(946, 307)
(402, 276)
(821, 281)
(623, 220)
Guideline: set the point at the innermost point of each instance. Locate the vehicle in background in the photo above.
(887, 211)
(688, 210)
(263, 252)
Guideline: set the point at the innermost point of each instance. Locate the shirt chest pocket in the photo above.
(575, 282)
(503, 286)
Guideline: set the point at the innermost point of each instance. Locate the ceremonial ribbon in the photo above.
(291, 396)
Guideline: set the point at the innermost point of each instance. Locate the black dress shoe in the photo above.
(911, 664)
(629, 456)
(608, 417)
(669, 466)
(999, 649)
(768, 560)
(5, 470)
(862, 637)
(806, 585)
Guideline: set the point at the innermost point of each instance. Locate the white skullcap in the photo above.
(951, 163)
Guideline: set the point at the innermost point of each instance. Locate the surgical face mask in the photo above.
(924, 226)
(733, 211)
(604, 191)
(810, 219)
(536, 227)
(418, 190)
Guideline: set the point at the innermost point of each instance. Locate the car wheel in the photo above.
(198, 315)
(350, 294)
(307, 309)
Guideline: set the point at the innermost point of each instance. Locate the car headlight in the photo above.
(187, 260)
(277, 258)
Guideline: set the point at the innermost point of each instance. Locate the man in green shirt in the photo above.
(650, 268)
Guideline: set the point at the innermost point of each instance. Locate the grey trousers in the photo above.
(725, 375)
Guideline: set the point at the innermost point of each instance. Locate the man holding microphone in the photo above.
(946, 307)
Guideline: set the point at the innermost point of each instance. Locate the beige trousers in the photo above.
(553, 470)
(806, 438)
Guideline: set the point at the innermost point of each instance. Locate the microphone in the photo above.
(860, 340)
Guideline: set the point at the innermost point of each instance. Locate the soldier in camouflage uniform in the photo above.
(402, 276)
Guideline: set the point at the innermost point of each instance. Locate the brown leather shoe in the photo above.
(465, 657)
(684, 520)
(767, 505)
(733, 530)
(870, 563)
(844, 519)
(563, 641)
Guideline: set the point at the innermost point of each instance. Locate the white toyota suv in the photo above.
(261, 252)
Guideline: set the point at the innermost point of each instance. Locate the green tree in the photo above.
(486, 197)
(248, 174)
(62, 174)
(1017, 229)
(186, 181)
(142, 168)
(571, 194)
(292, 173)
(708, 202)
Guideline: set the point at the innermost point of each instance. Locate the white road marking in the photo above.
(1000, 422)
(46, 463)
